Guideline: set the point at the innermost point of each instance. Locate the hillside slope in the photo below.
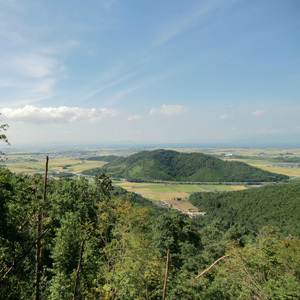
(175, 166)
(277, 205)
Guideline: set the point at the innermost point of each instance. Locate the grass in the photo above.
(176, 188)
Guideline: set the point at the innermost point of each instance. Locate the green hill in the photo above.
(175, 166)
(277, 205)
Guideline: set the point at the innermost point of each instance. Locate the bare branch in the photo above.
(221, 258)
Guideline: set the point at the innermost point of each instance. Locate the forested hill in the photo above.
(277, 205)
(175, 166)
(86, 241)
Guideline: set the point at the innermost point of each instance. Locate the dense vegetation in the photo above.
(98, 242)
(277, 205)
(175, 166)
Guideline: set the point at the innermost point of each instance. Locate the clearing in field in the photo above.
(182, 205)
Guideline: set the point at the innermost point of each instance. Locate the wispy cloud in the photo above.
(134, 117)
(109, 85)
(138, 84)
(225, 117)
(168, 110)
(31, 61)
(258, 112)
(33, 65)
(62, 114)
(189, 20)
(129, 90)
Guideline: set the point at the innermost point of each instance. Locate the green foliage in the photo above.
(267, 269)
(17, 205)
(64, 174)
(92, 171)
(276, 205)
(3, 137)
(103, 185)
(126, 240)
(175, 166)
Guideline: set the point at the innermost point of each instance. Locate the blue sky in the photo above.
(110, 71)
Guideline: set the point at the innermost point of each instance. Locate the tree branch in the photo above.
(221, 258)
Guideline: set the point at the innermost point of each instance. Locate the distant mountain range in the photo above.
(170, 165)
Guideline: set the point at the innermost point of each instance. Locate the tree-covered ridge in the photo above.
(175, 166)
(277, 205)
(113, 245)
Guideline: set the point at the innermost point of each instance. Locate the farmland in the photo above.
(29, 164)
(276, 160)
(268, 164)
(74, 161)
(174, 194)
(177, 189)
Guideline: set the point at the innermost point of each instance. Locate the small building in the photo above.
(177, 198)
(194, 213)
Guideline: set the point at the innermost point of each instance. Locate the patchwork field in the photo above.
(176, 195)
(269, 165)
(292, 172)
(74, 161)
(166, 192)
(69, 160)
(31, 166)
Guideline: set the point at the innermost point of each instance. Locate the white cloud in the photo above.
(168, 110)
(225, 116)
(258, 112)
(62, 114)
(134, 117)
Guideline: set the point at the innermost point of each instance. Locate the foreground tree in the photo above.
(266, 269)
(3, 137)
